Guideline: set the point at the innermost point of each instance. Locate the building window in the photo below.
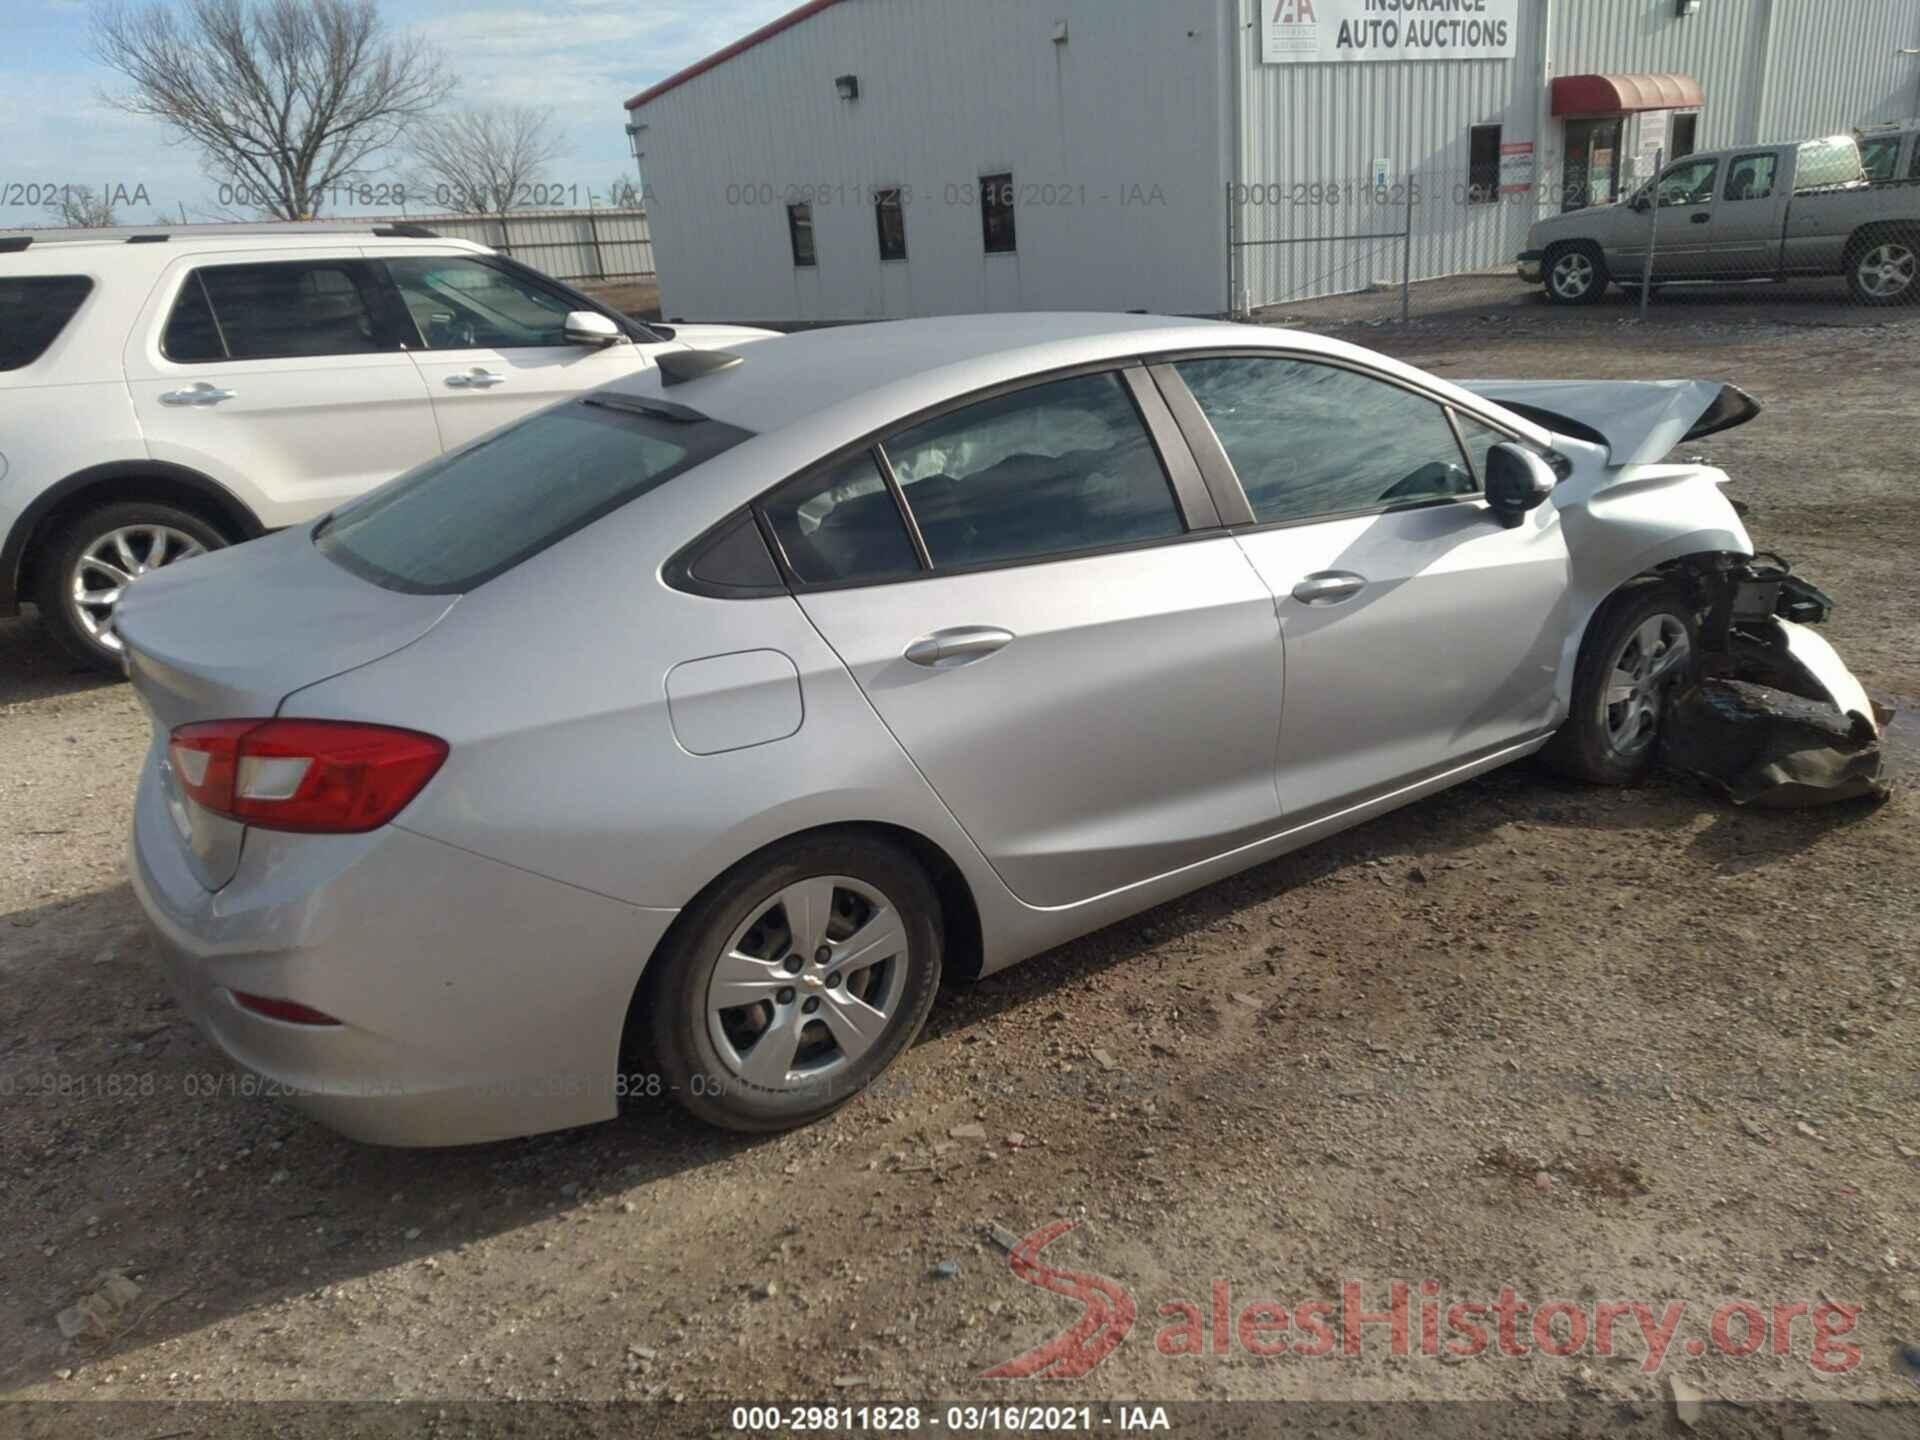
(1683, 135)
(996, 213)
(891, 218)
(1483, 165)
(800, 233)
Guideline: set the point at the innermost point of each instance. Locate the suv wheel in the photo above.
(96, 555)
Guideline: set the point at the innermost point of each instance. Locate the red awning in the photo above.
(1624, 94)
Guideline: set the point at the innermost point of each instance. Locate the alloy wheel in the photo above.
(808, 983)
(114, 561)
(1886, 271)
(1651, 658)
(1573, 275)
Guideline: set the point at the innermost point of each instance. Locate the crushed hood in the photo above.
(1639, 421)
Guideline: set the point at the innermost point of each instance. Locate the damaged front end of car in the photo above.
(1770, 716)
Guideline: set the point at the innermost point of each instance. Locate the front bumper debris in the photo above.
(1773, 717)
(1528, 266)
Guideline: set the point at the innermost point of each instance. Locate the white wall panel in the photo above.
(1113, 139)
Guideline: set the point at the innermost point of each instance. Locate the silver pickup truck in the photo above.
(1755, 212)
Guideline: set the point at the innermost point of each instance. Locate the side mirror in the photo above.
(590, 327)
(1642, 203)
(1517, 481)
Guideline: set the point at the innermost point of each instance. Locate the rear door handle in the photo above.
(1329, 587)
(478, 378)
(1702, 219)
(961, 645)
(201, 394)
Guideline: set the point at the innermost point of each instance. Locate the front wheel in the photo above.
(1882, 270)
(1575, 275)
(1638, 650)
(795, 981)
(96, 555)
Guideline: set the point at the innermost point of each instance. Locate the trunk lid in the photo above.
(1639, 421)
(232, 634)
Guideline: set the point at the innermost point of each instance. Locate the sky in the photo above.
(581, 58)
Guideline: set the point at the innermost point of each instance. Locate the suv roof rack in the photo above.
(150, 235)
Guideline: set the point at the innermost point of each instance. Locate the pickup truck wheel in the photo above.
(1881, 270)
(1574, 274)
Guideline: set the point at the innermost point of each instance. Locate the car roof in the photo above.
(156, 244)
(857, 378)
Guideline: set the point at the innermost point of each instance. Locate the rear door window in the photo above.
(34, 309)
(458, 521)
(284, 310)
(1750, 177)
(1048, 470)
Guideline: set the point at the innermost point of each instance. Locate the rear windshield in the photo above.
(457, 522)
(33, 310)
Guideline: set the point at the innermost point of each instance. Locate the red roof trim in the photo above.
(720, 57)
(1624, 94)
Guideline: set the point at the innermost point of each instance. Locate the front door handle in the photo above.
(478, 378)
(1701, 218)
(961, 645)
(201, 394)
(1329, 587)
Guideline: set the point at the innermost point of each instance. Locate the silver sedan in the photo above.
(681, 737)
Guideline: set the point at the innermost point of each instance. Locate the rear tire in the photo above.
(81, 569)
(1642, 644)
(1883, 268)
(831, 944)
(1574, 274)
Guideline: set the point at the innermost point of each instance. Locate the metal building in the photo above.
(860, 159)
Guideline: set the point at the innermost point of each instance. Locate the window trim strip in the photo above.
(885, 463)
(1190, 493)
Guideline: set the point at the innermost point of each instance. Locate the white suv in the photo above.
(164, 392)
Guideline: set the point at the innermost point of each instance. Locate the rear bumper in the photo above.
(1527, 266)
(478, 1001)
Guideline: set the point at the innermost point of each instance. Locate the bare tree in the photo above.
(485, 162)
(288, 101)
(78, 207)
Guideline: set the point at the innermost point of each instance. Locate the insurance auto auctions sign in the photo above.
(1312, 31)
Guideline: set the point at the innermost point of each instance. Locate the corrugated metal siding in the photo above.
(1321, 125)
(1838, 66)
(1113, 139)
(1769, 69)
(1123, 142)
(1717, 47)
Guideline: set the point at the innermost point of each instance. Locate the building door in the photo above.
(1593, 162)
(1685, 126)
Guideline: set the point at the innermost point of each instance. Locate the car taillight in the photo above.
(330, 777)
(290, 1012)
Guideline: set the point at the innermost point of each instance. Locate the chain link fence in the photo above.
(1789, 227)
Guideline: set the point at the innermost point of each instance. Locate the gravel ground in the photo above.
(1592, 1045)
